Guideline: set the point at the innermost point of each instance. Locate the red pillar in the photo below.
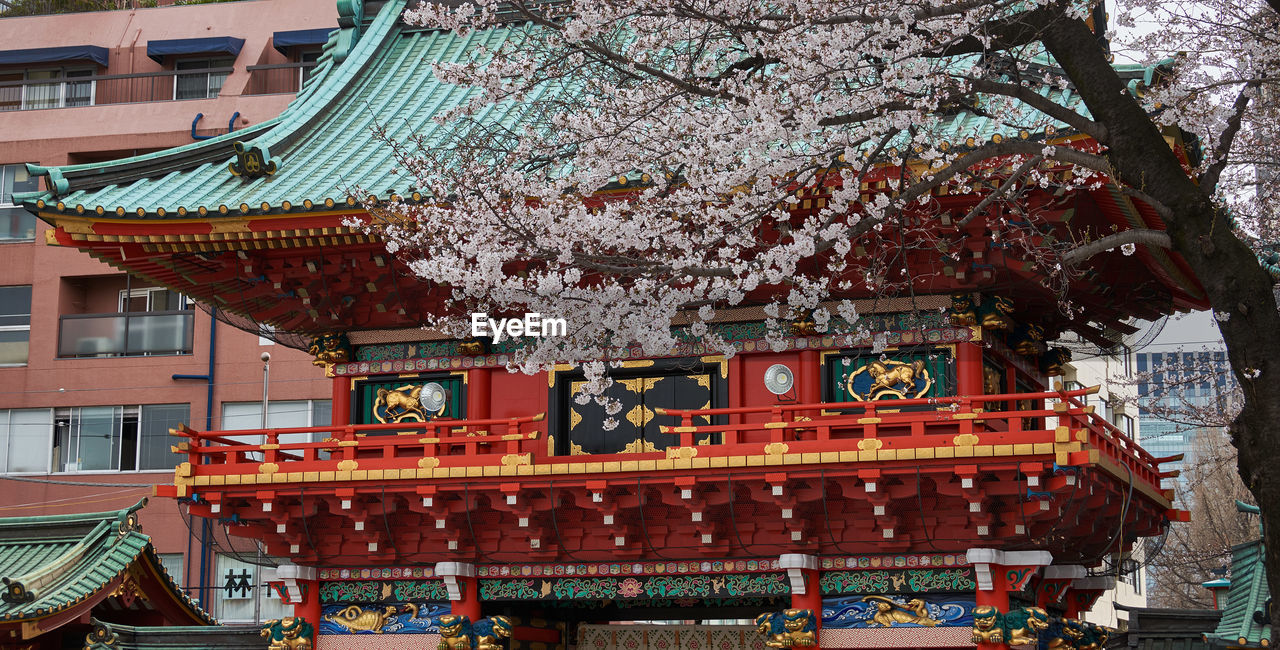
(802, 571)
(309, 608)
(341, 407)
(968, 369)
(478, 394)
(464, 589)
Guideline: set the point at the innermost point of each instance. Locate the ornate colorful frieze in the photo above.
(378, 573)
(895, 561)
(880, 611)
(625, 568)
(371, 591)
(699, 586)
(898, 329)
(897, 581)
(382, 618)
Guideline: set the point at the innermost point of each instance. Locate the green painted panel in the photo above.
(408, 399)
(899, 374)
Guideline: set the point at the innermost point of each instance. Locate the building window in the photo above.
(173, 564)
(24, 440)
(63, 88)
(307, 56)
(280, 415)
(116, 438)
(199, 85)
(15, 325)
(238, 584)
(628, 421)
(16, 224)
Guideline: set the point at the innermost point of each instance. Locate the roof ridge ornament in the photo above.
(251, 162)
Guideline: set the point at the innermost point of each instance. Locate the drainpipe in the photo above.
(208, 378)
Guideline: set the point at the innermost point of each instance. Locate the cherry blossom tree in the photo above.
(627, 166)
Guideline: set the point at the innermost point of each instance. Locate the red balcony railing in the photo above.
(918, 429)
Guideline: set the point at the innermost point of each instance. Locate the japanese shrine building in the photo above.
(446, 484)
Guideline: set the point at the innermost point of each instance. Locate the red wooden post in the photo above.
(464, 592)
(340, 413)
(968, 369)
(802, 572)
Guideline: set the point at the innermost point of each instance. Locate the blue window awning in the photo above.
(182, 46)
(55, 54)
(284, 40)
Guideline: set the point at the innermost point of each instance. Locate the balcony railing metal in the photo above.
(98, 90)
(278, 78)
(125, 334)
(1048, 423)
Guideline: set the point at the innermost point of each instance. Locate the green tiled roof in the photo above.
(1248, 594)
(323, 143)
(50, 563)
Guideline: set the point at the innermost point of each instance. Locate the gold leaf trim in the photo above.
(870, 444)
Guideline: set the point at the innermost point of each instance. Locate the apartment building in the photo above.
(95, 365)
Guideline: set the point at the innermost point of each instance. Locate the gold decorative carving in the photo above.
(428, 462)
(963, 312)
(870, 444)
(965, 440)
(358, 619)
(268, 468)
(890, 612)
(575, 449)
(634, 385)
(347, 465)
(640, 415)
(330, 348)
(703, 381)
(638, 446)
(682, 452)
(491, 631)
(288, 633)
(455, 632)
(512, 460)
(790, 628)
(891, 379)
(986, 625)
(638, 363)
(776, 449)
(402, 405)
(705, 441)
(575, 418)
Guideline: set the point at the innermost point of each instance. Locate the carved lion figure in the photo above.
(987, 625)
(963, 311)
(288, 633)
(790, 628)
(1023, 626)
(456, 632)
(490, 632)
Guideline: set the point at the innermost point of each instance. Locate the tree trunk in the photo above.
(1238, 289)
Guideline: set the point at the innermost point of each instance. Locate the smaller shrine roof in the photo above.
(1244, 619)
(61, 564)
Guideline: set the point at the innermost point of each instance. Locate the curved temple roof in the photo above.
(57, 567)
(184, 218)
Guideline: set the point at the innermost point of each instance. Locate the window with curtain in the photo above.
(24, 439)
(199, 85)
(61, 91)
